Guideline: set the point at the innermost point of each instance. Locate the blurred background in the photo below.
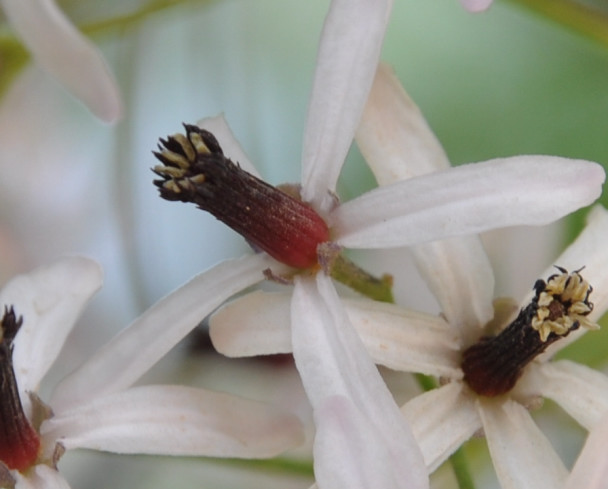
(507, 81)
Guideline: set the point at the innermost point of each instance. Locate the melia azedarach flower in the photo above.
(40, 309)
(351, 404)
(61, 50)
(487, 383)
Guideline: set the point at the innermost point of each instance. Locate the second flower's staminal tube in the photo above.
(561, 304)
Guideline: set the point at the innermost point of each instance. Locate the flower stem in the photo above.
(591, 23)
(345, 271)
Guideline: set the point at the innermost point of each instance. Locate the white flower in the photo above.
(336, 372)
(153, 419)
(396, 141)
(60, 49)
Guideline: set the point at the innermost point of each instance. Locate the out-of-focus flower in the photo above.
(398, 144)
(40, 311)
(60, 49)
(476, 5)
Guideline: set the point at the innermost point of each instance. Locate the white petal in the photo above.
(459, 273)
(406, 340)
(476, 5)
(133, 351)
(232, 148)
(348, 445)
(50, 299)
(337, 372)
(442, 420)
(66, 54)
(348, 56)
(521, 454)
(588, 250)
(528, 190)
(259, 324)
(581, 391)
(393, 135)
(175, 420)
(591, 468)
(41, 477)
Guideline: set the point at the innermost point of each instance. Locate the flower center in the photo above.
(195, 170)
(493, 365)
(19, 441)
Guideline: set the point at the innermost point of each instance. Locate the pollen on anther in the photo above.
(563, 304)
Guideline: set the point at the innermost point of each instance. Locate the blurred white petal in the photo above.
(336, 370)
(232, 148)
(591, 468)
(50, 299)
(346, 63)
(65, 53)
(442, 420)
(132, 352)
(521, 454)
(581, 391)
(467, 199)
(176, 420)
(476, 5)
(393, 135)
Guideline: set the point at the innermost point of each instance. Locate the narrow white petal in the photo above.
(354, 454)
(232, 148)
(459, 273)
(337, 373)
(259, 324)
(393, 135)
(135, 349)
(442, 420)
(406, 340)
(521, 454)
(591, 468)
(581, 391)
(588, 250)
(529, 190)
(348, 56)
(66, 54)
(50, 299)
(175, 420)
